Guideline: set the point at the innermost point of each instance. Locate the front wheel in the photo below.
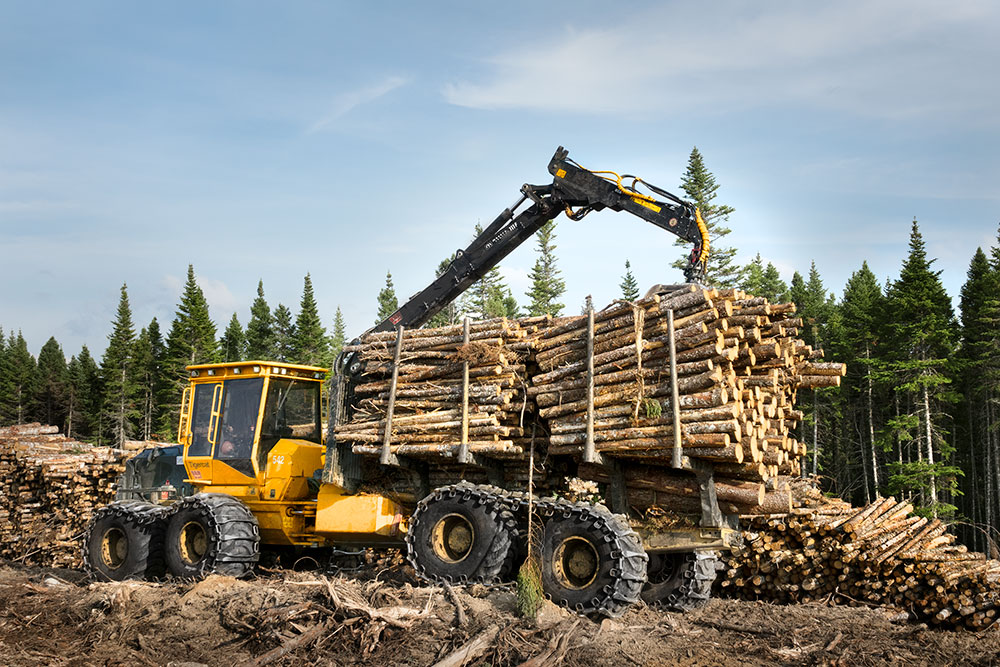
(211, 533)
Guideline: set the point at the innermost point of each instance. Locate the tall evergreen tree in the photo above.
(387, 302)
(450, 313)
(284, 334)
(191, 340)
(920, 339)
(50, 390)
(546, 285)
(339, 336)
(233, 343)
(23, 372)
(700, 187)
(85, 389)
(978, 373)
(153, 387)
(629, 285)
(121, 391)
(260, 328)
(6, 387)
(862, 309)
(192, 334)
(310, 343)
(763, 281)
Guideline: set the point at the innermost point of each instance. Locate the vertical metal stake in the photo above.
(386, 455)
(463, 448)
(589, 453)
(674, 394)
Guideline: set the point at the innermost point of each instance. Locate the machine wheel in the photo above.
(211, 533)
(592, 561)
(460, 534)
(682, 581)
(124, 540)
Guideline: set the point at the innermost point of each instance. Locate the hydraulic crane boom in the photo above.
(572, 187)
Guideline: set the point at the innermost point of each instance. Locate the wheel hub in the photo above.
(452, 538)
(576, 563)
(193, 542)
(114, 548)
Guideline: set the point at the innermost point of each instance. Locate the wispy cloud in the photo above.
(892, 59)
(346, 102)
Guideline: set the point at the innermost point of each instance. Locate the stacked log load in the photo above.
(739, 365)
(881, 554)
(447, 383)
(51, 485)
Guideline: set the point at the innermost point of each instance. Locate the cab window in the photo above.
(292, 410)
(240, 405)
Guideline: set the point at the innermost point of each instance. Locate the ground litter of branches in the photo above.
(380, 616)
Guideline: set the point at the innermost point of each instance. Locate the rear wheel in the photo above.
(680, 581)
(211, 533)
(125, 541)
(459, 534)
(592, 561)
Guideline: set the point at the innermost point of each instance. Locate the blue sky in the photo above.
(267, 140)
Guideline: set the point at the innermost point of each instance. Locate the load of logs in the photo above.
(881, 554)
(604, 380)
(50, 487)
(432, 392)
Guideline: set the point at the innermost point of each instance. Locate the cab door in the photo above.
(206, 410)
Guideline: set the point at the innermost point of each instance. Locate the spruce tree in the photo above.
(629, 285)
(921, 336)
(387, 302)
(759, 280)
(6, 387)
(154, 389)
(862, 309)
(192, 334)
(22, 379)
(284, 334)
(449, 314)
(73, 413)
(121, 390)
(232, 345)
(546, 285)
(87, 389)
(310, 343)
(50, 390)
(700, 187)
(978, 374)
(260, 328)
(338, 338)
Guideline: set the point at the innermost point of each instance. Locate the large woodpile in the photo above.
(881, 554)
(49, 486)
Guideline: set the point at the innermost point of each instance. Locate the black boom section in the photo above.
(572, 187)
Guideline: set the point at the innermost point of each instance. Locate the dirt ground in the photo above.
(380, 617)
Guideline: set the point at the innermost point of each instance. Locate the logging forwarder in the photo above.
(288, 486)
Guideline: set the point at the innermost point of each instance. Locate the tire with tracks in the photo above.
(681, 581)
(211, 533)
(124, 540)
(460, 534)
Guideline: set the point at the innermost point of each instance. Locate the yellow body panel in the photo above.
(364, 516)
(282, 491)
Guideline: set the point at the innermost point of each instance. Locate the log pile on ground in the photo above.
(881, 554)
(448, 385)
(50, 486)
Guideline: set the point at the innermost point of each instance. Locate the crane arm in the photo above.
(572, 187)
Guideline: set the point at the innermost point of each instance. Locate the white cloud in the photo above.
(894, 59)
(346, 102)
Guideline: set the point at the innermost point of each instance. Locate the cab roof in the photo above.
(256, 368)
